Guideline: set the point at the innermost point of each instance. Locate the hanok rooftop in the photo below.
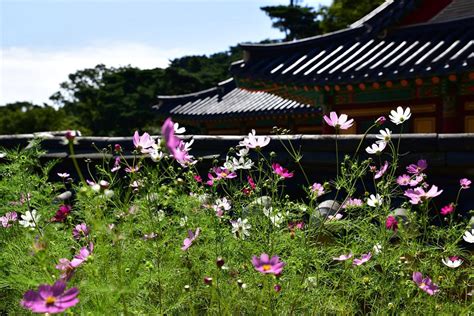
(416, 53)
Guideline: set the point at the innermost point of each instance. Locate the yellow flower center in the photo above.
(223, 174)
(422, 284)
(266, 267)
(50, 300)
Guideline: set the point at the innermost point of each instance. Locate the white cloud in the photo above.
(34, 75)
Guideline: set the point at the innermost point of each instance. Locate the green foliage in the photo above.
(342, 13)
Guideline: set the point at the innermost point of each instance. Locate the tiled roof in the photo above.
(226, 100)
(351, 56)
(457, 9)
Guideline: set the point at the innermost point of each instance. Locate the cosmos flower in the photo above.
(80, 231)
(417, 168)
(82, 256)
(465, 183)
(255, 142)
(448, 209)
(220, 206)
(380, 121)
(317, 189)
(351, 203)
(240, 228)
(29, 219)
(116, 166)
(452, 262)
(343, 257)
(391, 223)
(8, 219)
(189, 240)
(469, 236)
(376, 148)
(403, 180)
(384, 136)
(418, 195)
(70, 137)
(63, 175)
(363, 259)
(375, 200)
(340, 122)
(265, 265)
(425, 283)
(50, 299)
(62, 213)
(282, 172)
(400, 116)
(143, 143)
(382, 171)
(178, 130)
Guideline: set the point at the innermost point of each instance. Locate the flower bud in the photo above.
(220, 262)
(380, 121)
(208, 280)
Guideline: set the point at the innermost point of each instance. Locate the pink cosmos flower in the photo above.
(191, 237)
(251, 182)
(343, 257)
(418, 195)
(465, 183)
(176, 147)
(8, 219)
(391, 223)
(295, 225)
(132, 169)
(143, 143)
(66, 268)
(282, 172)
(50, 299)
(62, 213)
(352, 203)
(425, 284)
(197, 178)
(416, 180)
(403, 180)
(340, 122)
(266, 265)
(420, 166)
(116, 165)
(223, 173)
(380, 121)
(220, 206)
(364, 258)
(318, 189)
(80, 231)
(83, 255)
(448, 209)
(382, 170)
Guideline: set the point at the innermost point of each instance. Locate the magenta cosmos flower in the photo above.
(465, 183)
(80, 231)
(417, 168)
(282, 172)
(363, 259)
(425, 283)
(176, 147)
(340, 122)
(418, 195)
(266, 265)
(391, 223)
(448, 209)
(191, 237)
(62, 213)
(50, 299)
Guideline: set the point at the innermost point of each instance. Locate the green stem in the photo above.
(74, 161)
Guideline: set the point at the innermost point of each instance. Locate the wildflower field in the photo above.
(152, 236)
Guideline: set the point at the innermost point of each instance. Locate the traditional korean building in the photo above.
(417, 53)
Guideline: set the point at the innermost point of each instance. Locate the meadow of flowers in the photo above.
(151, 235)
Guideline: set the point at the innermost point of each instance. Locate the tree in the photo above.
(294, 20)
(342, 13)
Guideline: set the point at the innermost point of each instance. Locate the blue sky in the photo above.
(42, 41)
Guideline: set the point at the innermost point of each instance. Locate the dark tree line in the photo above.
(115, 101)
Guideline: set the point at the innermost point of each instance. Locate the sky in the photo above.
(42, 41)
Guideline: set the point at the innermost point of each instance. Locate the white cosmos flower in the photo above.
(452, 262)
(469, 236)
(2, 155)
(377, 248)
(376, 148)
(253, 141)
(275, 217)
(183, 221)
(29, 219)
(178, 130)
(400, 116)
(375, 200)
(384, 136)
(243, 152)
(240, 228)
